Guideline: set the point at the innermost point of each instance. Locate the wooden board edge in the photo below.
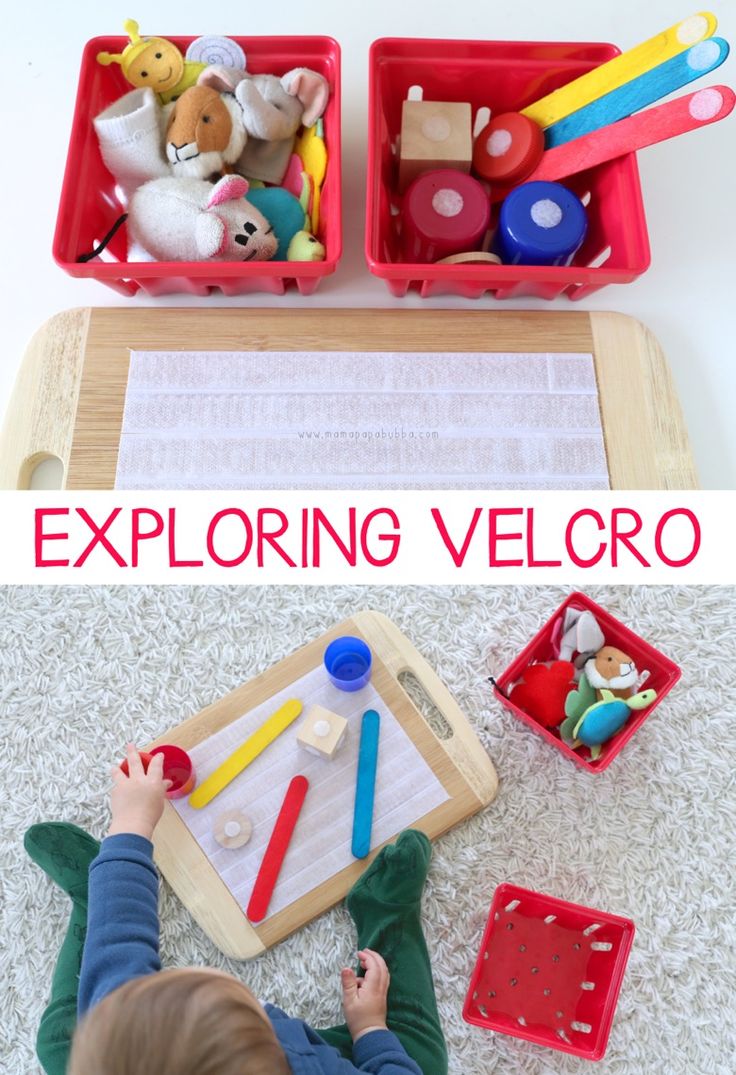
(636, 391)
(39, 421)
(235, 937)
(463, 746)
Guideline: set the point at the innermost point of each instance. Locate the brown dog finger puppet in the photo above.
(613, 670)
(205, 135)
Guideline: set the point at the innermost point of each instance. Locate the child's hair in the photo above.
(177, 1022)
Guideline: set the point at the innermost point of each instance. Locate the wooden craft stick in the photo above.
(649, 87)
(621, 69)
(253, 746)
(273, 857)
(644, 129)
(365, 784)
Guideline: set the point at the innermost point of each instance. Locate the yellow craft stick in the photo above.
(621, 69)
(253, 746)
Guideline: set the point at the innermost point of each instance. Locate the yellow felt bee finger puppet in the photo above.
(154, 62)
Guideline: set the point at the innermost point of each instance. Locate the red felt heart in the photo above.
(543, 691)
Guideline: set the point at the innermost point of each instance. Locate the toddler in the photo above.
(137, 1019)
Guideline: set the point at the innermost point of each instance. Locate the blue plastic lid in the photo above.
(348, 662)
(540, 224)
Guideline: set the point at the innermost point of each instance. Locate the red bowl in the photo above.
(90, 204)
(504, 76)
(664, 673)
(549, 971)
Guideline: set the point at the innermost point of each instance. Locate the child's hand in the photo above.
(364, 999)
(137, 800)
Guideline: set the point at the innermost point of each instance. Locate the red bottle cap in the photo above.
(508, 148)
(444, 212)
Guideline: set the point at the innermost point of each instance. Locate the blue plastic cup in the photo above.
(348, 663)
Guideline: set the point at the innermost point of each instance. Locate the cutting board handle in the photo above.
(399, 656)
(39, 423)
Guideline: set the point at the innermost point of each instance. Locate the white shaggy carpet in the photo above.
(652, 837)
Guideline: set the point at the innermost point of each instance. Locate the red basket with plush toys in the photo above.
(586, 682)
(141, 206)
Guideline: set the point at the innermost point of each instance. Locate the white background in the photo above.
(687, 297)
(536, 529)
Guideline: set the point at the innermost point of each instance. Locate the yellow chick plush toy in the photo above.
(154, 62)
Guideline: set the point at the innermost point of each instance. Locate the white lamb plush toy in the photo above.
(176, 219)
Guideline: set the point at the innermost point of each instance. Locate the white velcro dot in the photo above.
(546, 213)
(447, 202)
(691, 30)
(499, 142)
(231, 829)
(436, 128)
(706, 104)
(702, 57)
(321, 728)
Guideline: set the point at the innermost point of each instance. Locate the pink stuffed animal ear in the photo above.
(310, 89)
(227, 189)
(221, 78)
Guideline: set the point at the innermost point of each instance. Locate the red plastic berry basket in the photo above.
(89, 204)
(549, 971)
(664, 673)
(504, 76)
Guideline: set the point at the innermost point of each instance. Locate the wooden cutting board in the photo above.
(69, 395)
(451, 750)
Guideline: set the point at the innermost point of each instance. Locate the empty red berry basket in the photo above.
(663, 674)
(90, 204)
(503, 76)
(549, 971)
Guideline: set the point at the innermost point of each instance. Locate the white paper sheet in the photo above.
(406, 789)
(273, 419)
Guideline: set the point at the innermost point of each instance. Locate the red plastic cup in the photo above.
(145, 759)
(178, 768)
(444, 212)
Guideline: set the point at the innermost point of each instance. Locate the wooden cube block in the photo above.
(321, 732)
(434, 134)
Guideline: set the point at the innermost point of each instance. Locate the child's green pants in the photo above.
(384, 904)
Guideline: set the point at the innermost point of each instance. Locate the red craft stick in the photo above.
(636, 132)
(273, 858)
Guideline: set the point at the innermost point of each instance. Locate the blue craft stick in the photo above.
(365, 784)
(652, 86)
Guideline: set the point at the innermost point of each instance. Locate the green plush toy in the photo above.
(289, 220)
(592, 723)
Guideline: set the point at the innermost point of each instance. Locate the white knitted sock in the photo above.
(131, 136)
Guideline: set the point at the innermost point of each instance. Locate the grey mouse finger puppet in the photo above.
(193, 220)
(273, 109)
